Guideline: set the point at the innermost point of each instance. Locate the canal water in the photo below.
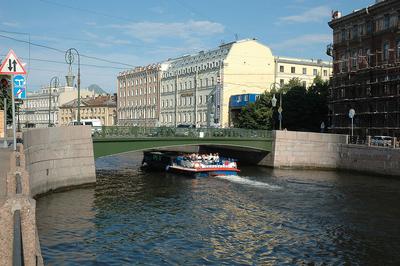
(263, 217)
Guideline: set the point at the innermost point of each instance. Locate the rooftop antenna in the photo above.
(236, 37)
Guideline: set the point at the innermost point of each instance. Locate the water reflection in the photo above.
(297, 217)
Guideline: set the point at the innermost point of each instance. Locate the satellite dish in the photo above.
(352, 112)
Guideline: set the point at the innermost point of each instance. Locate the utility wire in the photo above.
(63, 52)
(85, 10)
(64, 63)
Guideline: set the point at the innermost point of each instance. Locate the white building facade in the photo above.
(34, 112)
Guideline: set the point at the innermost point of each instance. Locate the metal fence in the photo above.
(381, 141)
(171, 132)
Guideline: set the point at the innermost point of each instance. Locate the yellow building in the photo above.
(306, 70)
(103, 108)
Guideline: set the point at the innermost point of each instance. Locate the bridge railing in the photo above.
(171, 132)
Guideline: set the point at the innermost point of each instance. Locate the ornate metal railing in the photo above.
(171, 132)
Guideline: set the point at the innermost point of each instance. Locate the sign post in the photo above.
(12, 66)
(352, 112)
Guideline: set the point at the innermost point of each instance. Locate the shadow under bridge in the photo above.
(120, 139)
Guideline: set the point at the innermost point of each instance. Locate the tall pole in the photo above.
(352, 126)
(280, 113)
(5, 145)
(195, 100)
(13, 114)
(50, 105)
(69, 58)
(54, 81)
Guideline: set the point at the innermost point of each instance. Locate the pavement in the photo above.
(4, 168)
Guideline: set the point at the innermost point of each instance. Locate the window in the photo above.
(385, 54)
(398, 50)
(212, 81)
(355, 32)
(304, 71)
(315, 72)
(325, 73)
(369, 27)
(246, 98)
(304, 84)
(282, 82)
(282, 69)
(293, 70)
(343, 33)
(354, 58)
(386, 22)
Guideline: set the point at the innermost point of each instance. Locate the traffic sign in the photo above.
(20, 93)
(11, 65)
(352, 112)
(19, 81)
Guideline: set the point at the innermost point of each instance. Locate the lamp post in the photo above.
(53, 81)
(69, 58)
(274, 101)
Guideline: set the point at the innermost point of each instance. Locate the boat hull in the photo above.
(203, 172)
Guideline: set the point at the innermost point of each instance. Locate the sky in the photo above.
(113, 36)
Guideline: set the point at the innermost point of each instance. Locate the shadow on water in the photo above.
(263, 217)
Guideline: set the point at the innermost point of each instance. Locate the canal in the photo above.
(263, 217)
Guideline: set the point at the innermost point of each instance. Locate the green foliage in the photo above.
(7, 94)
(303, 109)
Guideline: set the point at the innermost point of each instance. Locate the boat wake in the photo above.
(246, 181)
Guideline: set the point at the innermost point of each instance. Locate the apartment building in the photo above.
(306, 70)
(103, 108)
(34, 112)
(195, 89)
(138, 96)
(366, 67)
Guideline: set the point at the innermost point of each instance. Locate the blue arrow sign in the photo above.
(20, 93)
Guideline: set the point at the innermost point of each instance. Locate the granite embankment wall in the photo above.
(374, 160)
(293, 149)
(59, 157)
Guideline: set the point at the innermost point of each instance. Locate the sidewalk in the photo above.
(4, 168)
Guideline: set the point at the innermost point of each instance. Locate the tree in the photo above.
(303, 109)
(5, 91)
(256, 115)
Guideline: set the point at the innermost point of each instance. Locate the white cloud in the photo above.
(303, 41)
(11, 24)
(316, 14)
(151, 31)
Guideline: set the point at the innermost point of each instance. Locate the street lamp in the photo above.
(69, 58)
(274, 100)
(53, 81)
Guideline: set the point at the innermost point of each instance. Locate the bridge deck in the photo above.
(109, 146)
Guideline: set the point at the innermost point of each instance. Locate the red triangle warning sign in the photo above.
(11, 65)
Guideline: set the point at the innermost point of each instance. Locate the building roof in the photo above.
(359, 12)
(99, 101)
(301, 61)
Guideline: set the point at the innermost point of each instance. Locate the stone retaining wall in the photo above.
(59, 157)
(330, 151)
(305, 150)
(374, 160)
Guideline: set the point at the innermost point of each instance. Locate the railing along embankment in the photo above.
(19, 239)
